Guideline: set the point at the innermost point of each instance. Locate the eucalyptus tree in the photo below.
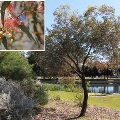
(74, 38)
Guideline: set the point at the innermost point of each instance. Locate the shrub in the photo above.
(13, 65)
(17, 105)
(41, 96)
(78, 95)
(61, 87)
(67, 80)
(38, 93)
(28, 86)
(54, 87)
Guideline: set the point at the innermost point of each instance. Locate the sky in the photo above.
(51, 5)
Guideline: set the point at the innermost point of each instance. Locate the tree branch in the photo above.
(76, 64)
(79, 74)
(84, 61)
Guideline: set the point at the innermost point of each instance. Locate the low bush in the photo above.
(18, 100)
(62, 87)
(37, 92)
(78, 95)
(16, 105)
(67, 80)
(54, 87)
(41, 95)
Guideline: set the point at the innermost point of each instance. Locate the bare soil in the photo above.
(63, 110)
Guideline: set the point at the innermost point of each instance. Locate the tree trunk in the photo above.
(104, 77)
(107, 77)
(84, 106)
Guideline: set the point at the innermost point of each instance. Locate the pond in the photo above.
(105, 88)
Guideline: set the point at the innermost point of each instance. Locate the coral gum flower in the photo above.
(10, 7)
(11, 24)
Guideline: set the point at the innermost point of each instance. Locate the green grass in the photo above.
(106, 101)
(63, 95)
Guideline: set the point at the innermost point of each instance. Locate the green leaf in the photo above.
(4, 41)
(3, 7)
(26, 30)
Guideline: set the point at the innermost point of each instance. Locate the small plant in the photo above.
(78, 95)
(40, 95)
(56, 97)
(88, 85)
(79, 99)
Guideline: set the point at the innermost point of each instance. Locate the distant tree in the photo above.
(37, 70)
(91, 72)
(106, 72)
(95, 71)
(87, 71)
(44, 64)
(13, 65)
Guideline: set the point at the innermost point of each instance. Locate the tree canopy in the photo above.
(13, 65)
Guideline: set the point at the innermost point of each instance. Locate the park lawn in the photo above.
(104, 101)
(63, 95)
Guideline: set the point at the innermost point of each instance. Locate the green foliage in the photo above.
(4, 41)
(88, 84)
(38, 93)
(3, 7)
(15, 66)
(41, 96)
(79, 99)
(28, 86)
(25, 29)
(54, 87)
(78, 95)
(62, 87)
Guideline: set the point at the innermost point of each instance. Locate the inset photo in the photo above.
(22, 25)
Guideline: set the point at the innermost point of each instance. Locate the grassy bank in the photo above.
(62, 95)
(104, 101)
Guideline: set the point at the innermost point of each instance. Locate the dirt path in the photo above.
(62, 110)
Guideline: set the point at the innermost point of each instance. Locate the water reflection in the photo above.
(105, 88)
